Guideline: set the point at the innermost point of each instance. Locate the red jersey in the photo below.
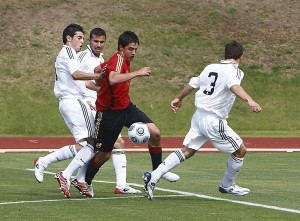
(114, 97)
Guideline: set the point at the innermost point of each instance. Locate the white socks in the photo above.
(172, 161)
(120, 166)
(63, 153)
(234, 164)
(82, 157)
(81, 173)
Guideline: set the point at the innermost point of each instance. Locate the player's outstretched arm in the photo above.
(116, 77)
(79, 75)
(176, 103)
(241, 93)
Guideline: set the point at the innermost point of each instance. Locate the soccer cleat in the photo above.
(234, 189)
(171, 177)
(149, 186)
(64, 184)
(39, 169)
(91, 189)
(83, 188)
(126, 190)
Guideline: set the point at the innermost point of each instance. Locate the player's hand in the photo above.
(254, 106)
(146, 71)
(100, 69)
(175, 105)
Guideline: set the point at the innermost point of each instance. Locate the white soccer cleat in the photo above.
(39, 169)
(171, 177)
(91, 189)
(235, 190)
(149, 186)
(126, 190)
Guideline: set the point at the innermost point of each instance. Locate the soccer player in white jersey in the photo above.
(89, 59)
(70, 86)
(218, 85)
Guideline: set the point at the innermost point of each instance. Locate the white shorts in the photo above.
(78, 117)
(206, 127)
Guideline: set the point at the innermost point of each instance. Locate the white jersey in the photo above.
(66, 64)
(88, 61)
(214, 94)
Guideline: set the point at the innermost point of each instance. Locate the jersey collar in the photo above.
(236, 65)
(89, 47)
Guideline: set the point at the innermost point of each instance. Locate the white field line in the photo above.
(83, 199)
(289, 150)
(180, 194)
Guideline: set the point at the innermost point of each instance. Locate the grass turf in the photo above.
(272, 179)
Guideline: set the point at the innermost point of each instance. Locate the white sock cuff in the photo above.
(236, 159)
(82, 143)
(90, 146)
(118, 151)
(235, 163)
(73, 149)
(180, 155)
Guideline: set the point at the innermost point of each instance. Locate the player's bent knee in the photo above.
(119, 144)
(155, 135)
(188, 152)
(154, 131)
(240, 153)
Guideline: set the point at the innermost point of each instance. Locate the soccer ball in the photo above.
(138, 133)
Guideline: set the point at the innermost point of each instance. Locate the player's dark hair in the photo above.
(126, 38)
(71, 31)
(233, 50)
(97, 32)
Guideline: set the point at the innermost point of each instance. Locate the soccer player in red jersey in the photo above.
(115, 109)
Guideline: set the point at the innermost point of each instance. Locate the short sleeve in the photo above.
(194, 82)
(235, 78)
(70, 61)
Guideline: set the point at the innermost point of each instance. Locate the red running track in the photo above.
(259, 144)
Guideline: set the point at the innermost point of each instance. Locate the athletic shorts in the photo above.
(207, 127)
(92, 101)
(78, 117)
(110, 123)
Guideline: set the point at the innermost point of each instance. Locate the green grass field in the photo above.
(272, 178)
(178, 39)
